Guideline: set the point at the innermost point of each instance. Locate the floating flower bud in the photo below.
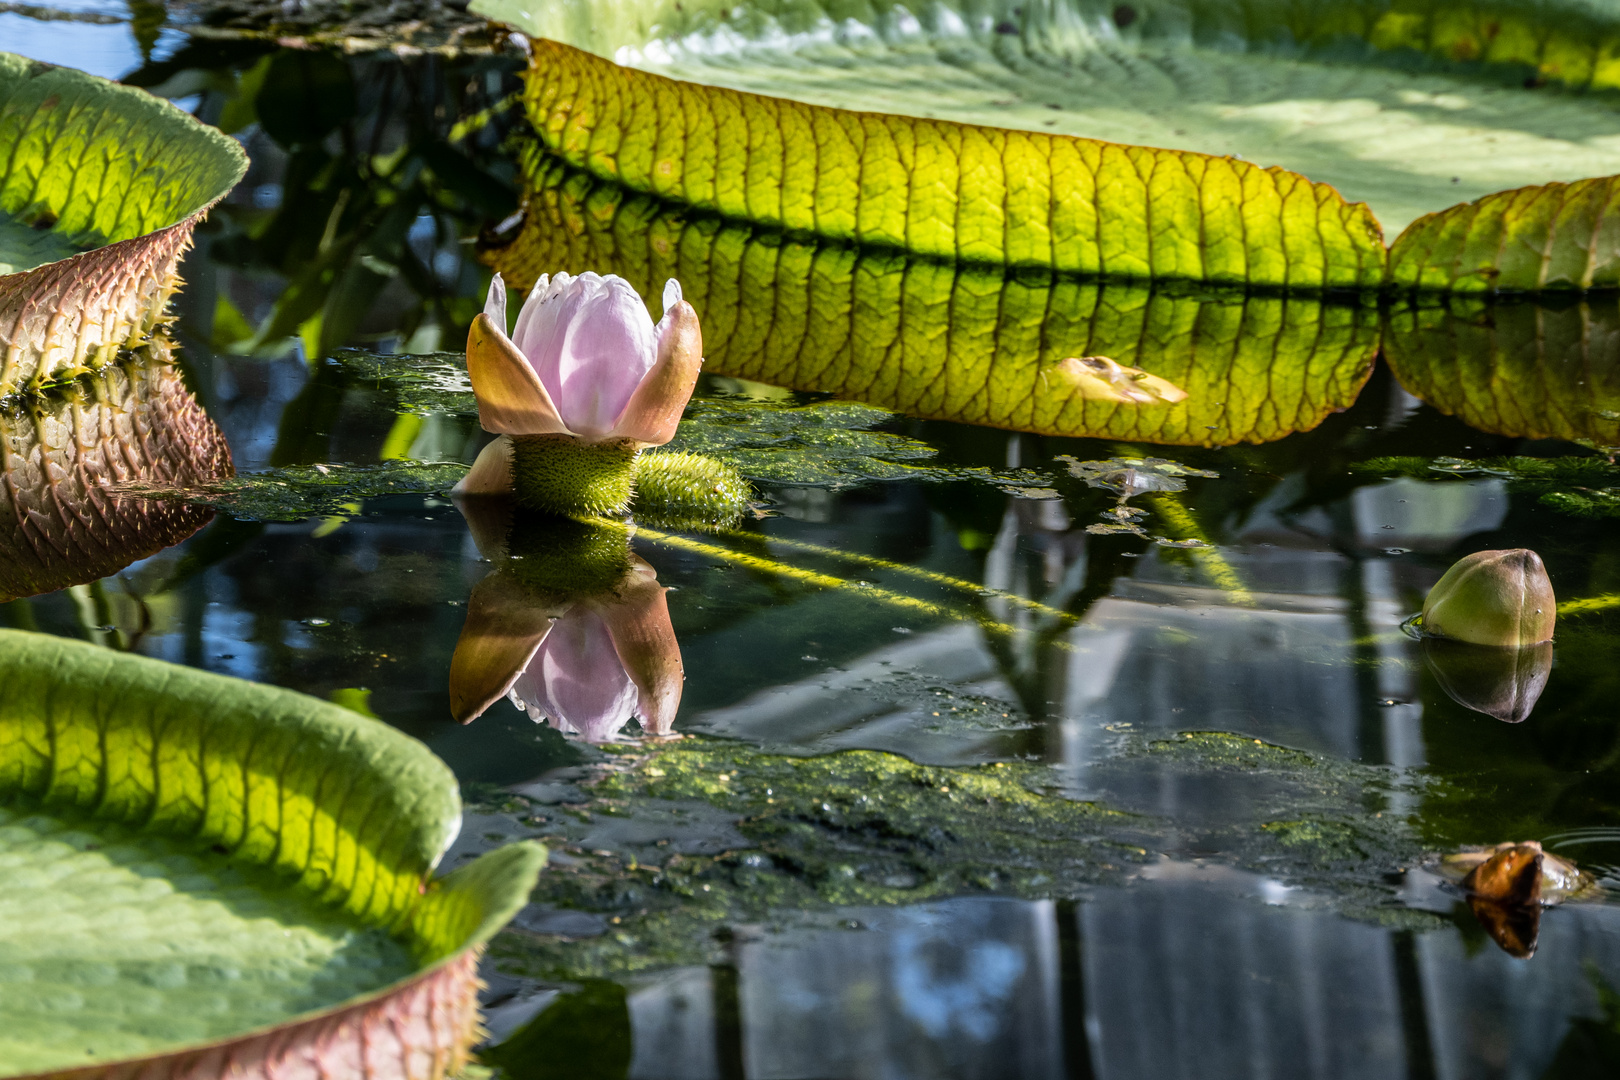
(1502, 874)
(572, 628)
(1097, 378)
(1504, 683)
(1493, 598)
(1509, 884)
(584, 384)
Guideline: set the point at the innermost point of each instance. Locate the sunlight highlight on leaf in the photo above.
(937, 189)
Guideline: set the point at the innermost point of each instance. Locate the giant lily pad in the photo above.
(1518, 369)
(100, 188)
(1352, 93)
(62, 454)
(1548, 238)
(958, 342)
(207, 877)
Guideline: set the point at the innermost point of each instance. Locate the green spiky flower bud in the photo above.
(564, 474)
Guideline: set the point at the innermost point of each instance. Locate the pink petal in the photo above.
(504, 627)
(491, 473)
(577, 680)
(644, 638)
(495, 303)
(591, 342)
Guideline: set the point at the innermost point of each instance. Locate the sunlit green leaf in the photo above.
(1354, 93)
(1515, 369)
(189, 858)
(954, 342)
(112, 180)
(938, 189)
(1555, 237)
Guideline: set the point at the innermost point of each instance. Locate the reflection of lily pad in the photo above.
(61, 451)
(100, 188)
(952, 342)
(200, 869)
(1515, 369)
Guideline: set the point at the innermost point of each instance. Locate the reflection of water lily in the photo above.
(587, 662)
(582, 385)
(1499, 598)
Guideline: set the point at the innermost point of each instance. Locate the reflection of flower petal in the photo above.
(577, 679)
(1504, 683)
(505, 626)
(644, 638)
(1514, 927)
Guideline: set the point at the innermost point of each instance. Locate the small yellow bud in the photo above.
(1493, 598)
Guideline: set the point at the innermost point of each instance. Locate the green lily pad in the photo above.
(100, 188)
(60, 521)
(1351, 93)
(958, 342)
(198, 869)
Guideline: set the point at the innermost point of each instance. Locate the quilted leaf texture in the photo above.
(62, 452)
(346, 810)
(1547, 238)
(945, 341)
(976, 195)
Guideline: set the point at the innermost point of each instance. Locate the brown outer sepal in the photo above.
(511, 398)
(654, 409)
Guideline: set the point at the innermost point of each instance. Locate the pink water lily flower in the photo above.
(586, 663)
(584, 360)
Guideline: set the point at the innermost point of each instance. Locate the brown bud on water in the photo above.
(1504, 683)
(1499, 598)
(1511, 875)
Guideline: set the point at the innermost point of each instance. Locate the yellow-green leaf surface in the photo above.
(954, 342)
(939, 189)
(85, 162)
(1515, 369)
(186, 858)
(1359, 94)
(1552, 238)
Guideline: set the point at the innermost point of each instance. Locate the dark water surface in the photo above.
(965, 789)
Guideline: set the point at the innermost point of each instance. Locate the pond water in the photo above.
(1035, 746)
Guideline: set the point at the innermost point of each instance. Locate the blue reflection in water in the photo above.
(942, 991)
